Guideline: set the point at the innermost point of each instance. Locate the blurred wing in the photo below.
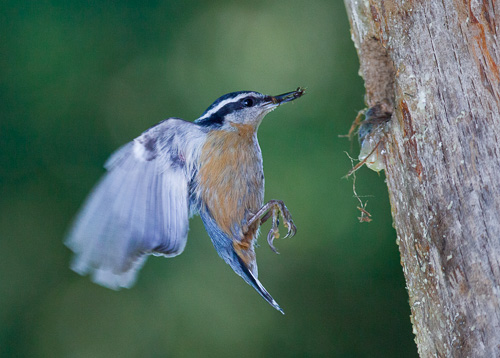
(139, 207)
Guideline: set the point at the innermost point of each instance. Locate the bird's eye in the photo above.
(248, 102)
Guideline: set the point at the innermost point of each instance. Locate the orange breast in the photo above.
(231, 179)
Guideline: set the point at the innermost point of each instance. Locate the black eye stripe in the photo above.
(217, 118)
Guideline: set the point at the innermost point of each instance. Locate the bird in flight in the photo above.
(175, 169)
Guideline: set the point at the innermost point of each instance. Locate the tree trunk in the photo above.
(435, 63)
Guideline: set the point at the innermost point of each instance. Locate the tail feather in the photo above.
(224, 247)
(255, 283)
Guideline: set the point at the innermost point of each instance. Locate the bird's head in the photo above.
(244, 107)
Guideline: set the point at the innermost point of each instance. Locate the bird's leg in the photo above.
(265, 217)
(274, 208)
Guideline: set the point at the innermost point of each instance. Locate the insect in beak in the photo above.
(275, 101)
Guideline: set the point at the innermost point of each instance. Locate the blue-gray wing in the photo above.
(139, 207)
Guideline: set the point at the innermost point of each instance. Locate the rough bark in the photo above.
(436, 62)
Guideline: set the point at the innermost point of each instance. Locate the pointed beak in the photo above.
(275, 101)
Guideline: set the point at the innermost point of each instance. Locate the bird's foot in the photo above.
(274, 209)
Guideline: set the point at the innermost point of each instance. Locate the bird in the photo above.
(211, 167)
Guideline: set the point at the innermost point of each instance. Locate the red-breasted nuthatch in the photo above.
(211, 167)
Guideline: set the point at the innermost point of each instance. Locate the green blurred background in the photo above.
(78, 79)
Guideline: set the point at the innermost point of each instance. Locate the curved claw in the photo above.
(274, 209)
(292, 229)
(273, 234)
(287, 234)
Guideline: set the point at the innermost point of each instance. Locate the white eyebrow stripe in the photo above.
(223, 103)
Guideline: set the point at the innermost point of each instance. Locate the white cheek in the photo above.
(251, 116)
